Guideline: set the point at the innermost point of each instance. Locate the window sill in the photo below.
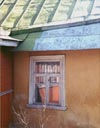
(46, 106)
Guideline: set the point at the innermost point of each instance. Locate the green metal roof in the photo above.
(21, 14)
(28, 40)
(67, 38)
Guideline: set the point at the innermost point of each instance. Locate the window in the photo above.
(47, 82)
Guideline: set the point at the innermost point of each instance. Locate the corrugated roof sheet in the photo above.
(22, 14)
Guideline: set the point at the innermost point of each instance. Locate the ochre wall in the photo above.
(82, 88)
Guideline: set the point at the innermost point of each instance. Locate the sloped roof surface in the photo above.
(26, 13)
(72, 38)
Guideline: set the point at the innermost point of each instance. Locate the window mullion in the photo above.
(47, 89)
(60, 92)
(34, 81)
(62, 89)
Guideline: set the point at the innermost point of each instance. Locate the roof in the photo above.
(21, 14)
(51, 24)
(9, 38)
(67, 38)
(8, 41)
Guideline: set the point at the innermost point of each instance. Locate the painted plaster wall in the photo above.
(82, 88)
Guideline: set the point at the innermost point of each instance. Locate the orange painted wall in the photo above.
(82, 88)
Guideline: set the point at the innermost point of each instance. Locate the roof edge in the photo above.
(54, 25)
(9, 41)
(9, 44)
(9, 38)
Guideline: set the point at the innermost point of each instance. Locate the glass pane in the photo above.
(40, 95)
(40, 89)
(40, 81)
(54, 94)
(47, 67)
(53, 80)
(54, 89)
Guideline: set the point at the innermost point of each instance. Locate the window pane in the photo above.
(53, 80)
(40, 81)
(40, 95)
(40, 89)
(54, 89)
(40, 67)
(47, 67)
(54, 94)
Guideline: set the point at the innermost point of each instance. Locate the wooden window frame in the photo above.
(53, 58)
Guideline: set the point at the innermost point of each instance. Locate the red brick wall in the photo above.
(6, 84)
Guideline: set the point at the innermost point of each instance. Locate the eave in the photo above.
(63, 38)
(9, 41)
